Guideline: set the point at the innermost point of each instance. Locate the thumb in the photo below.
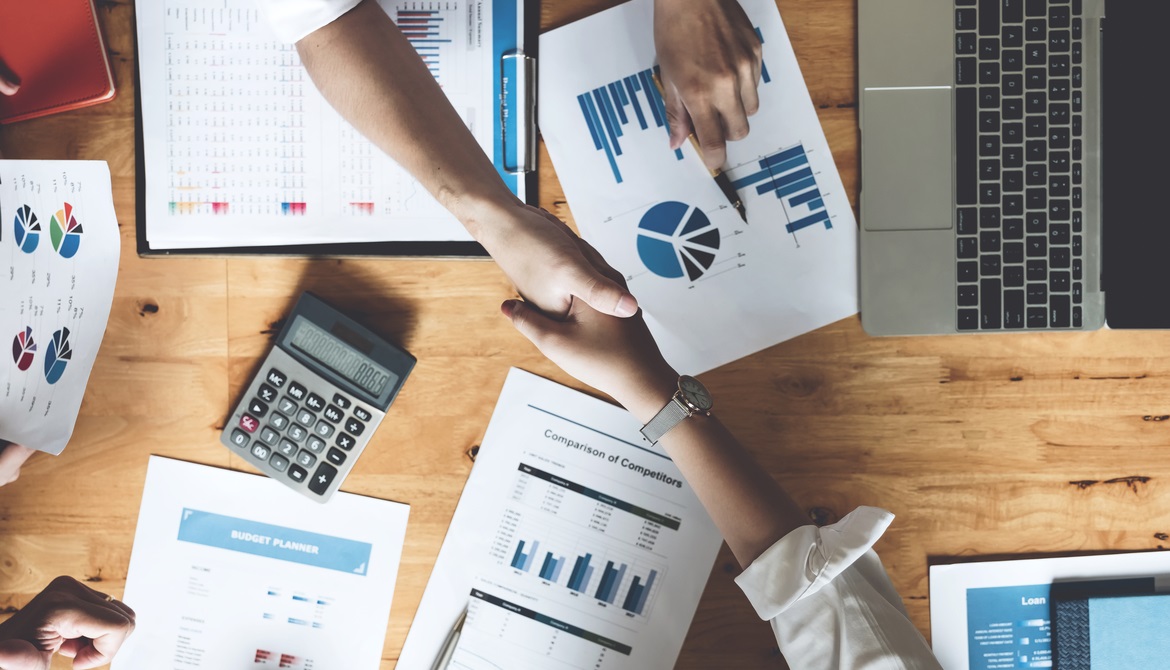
(22, 655)
(530, 322)
(105, 627)
(602, 293)
(678, 119)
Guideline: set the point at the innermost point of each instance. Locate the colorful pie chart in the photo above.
(28, 229)
(24, 348)
(65, 232)
(677, 240)
(57, 356)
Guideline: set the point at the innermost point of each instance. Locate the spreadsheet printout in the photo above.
(242, 150)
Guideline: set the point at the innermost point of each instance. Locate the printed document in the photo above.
(576, 544)
(241, 149)
(234, 571)
(59, 249)
(715, 289)
(996, 614)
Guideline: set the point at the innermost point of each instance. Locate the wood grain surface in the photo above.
(981, 444)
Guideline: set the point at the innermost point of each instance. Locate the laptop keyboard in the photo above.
(1019, 152)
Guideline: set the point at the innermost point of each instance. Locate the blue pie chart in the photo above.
(28, 229)
(677, 240)
(57, 357)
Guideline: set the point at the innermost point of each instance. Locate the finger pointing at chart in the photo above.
(711, 59)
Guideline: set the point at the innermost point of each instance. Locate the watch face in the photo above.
(695, 393)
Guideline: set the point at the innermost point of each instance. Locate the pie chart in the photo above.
(677, 240)
(23, 349)
(28, 229)
(58, 355)
(65, 232)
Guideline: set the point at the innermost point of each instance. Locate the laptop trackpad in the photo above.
(906, 162)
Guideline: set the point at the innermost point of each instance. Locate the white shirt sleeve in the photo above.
(830, 602)
(292, 20)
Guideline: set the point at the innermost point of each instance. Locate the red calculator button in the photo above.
(249, 423)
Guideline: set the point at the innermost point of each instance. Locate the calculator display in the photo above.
(335, 354)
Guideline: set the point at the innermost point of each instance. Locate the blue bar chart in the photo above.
(788, 175)
(629, 104)
(619, 581)
(523, 561)
(636, 597)
(605, 112)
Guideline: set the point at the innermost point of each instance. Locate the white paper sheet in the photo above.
(714, 288)
(242, 150)
(232, 571)
(59, 250)
(996, 614)
(575, 544)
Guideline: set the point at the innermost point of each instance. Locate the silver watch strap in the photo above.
(666, 418)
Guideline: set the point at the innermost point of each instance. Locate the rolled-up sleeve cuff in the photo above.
(808, 558)
(292, 20)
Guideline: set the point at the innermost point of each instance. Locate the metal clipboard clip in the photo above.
(518, 112)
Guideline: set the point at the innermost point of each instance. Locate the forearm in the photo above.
(746, 504)
(371, 75)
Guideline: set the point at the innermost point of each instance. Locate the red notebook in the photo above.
(56, 52)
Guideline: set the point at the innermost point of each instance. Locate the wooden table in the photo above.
(980, 444)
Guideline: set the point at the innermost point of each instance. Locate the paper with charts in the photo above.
(59, 249)
(241, 149)
(576, 544)
(714, 289)
(232, 571)
(998, 614)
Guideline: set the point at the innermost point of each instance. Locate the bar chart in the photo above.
(583, 543)
(601, 575)
(605, 112)
(431, 28)
(788, 175)
(613, 109)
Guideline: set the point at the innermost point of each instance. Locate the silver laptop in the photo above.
(985, 179)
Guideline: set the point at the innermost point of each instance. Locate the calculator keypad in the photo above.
(295, 434)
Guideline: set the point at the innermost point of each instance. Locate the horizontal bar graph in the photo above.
(426, 30)
(788, 175)
(605, 112)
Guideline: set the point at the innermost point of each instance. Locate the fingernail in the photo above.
(508, 307)
(627, 306)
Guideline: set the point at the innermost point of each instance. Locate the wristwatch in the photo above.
(691, 397)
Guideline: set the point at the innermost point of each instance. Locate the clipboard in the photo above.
(515, 31)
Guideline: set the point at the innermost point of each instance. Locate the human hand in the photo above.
(68, 618)
(9, 84)
(616, 356)
(12, 456)
(550, 265)
(710, 59)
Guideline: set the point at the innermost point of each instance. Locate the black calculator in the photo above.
(318, 397)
